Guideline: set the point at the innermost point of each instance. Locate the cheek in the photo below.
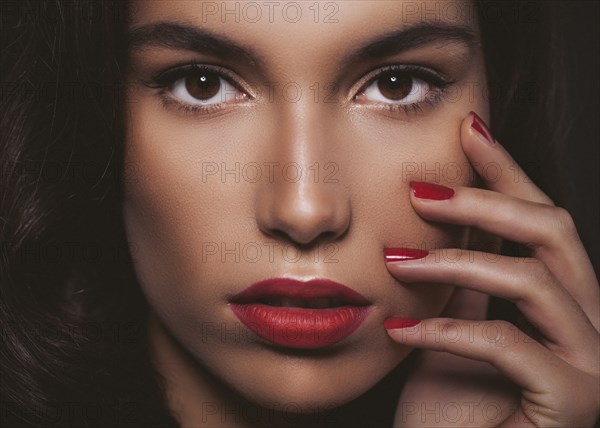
(398, 153)
(425, 149)
(175, 206)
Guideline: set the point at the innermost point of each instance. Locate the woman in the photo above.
(273, 207)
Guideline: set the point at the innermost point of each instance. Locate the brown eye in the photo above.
(395, 86)
(401, 87)
(203, 86)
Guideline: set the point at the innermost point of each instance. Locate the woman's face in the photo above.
(286, 151)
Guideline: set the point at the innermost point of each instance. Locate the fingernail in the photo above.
(431, 191)
(403, 254)
(479, 125)
(398, 322)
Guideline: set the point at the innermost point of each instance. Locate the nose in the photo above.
(305, 202)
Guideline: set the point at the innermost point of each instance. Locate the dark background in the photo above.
(581, 158)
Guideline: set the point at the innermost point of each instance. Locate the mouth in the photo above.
(303, 315)
(319, 303)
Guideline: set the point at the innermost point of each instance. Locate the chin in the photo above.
(304, 381)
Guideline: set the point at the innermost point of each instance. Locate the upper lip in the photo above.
(306, 291)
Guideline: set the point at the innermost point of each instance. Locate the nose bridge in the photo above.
(303, 203)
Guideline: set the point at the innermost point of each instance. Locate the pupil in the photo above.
(395, 86)
(203, 87)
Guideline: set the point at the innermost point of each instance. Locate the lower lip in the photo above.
(299, 327)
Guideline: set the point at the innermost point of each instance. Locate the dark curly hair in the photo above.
(74, 350)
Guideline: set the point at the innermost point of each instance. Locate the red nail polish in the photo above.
(479, 125)
(431, 191)
(402, 254)
(398, 322)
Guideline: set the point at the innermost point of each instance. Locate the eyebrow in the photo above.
(411, 37)
(183, 36)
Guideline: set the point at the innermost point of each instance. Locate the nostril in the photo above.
(280, 235)
(302, 215)
(303, 243)
(326, 236)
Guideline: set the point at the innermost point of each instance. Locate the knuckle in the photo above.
(538, 279)
(563, 221)
(453, 265)
(447, 324)
(500, 333)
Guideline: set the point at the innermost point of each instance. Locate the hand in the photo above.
(557, 373)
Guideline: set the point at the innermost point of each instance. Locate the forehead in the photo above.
(299, 27)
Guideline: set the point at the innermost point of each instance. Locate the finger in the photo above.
(497, 342)
(525, 362)
(493, 163)
(547, 229)
(548, 306)
(469, 304)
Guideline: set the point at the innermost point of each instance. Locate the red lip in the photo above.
(324, 312)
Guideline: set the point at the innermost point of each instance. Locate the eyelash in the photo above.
(437, 82)
(166, 79)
